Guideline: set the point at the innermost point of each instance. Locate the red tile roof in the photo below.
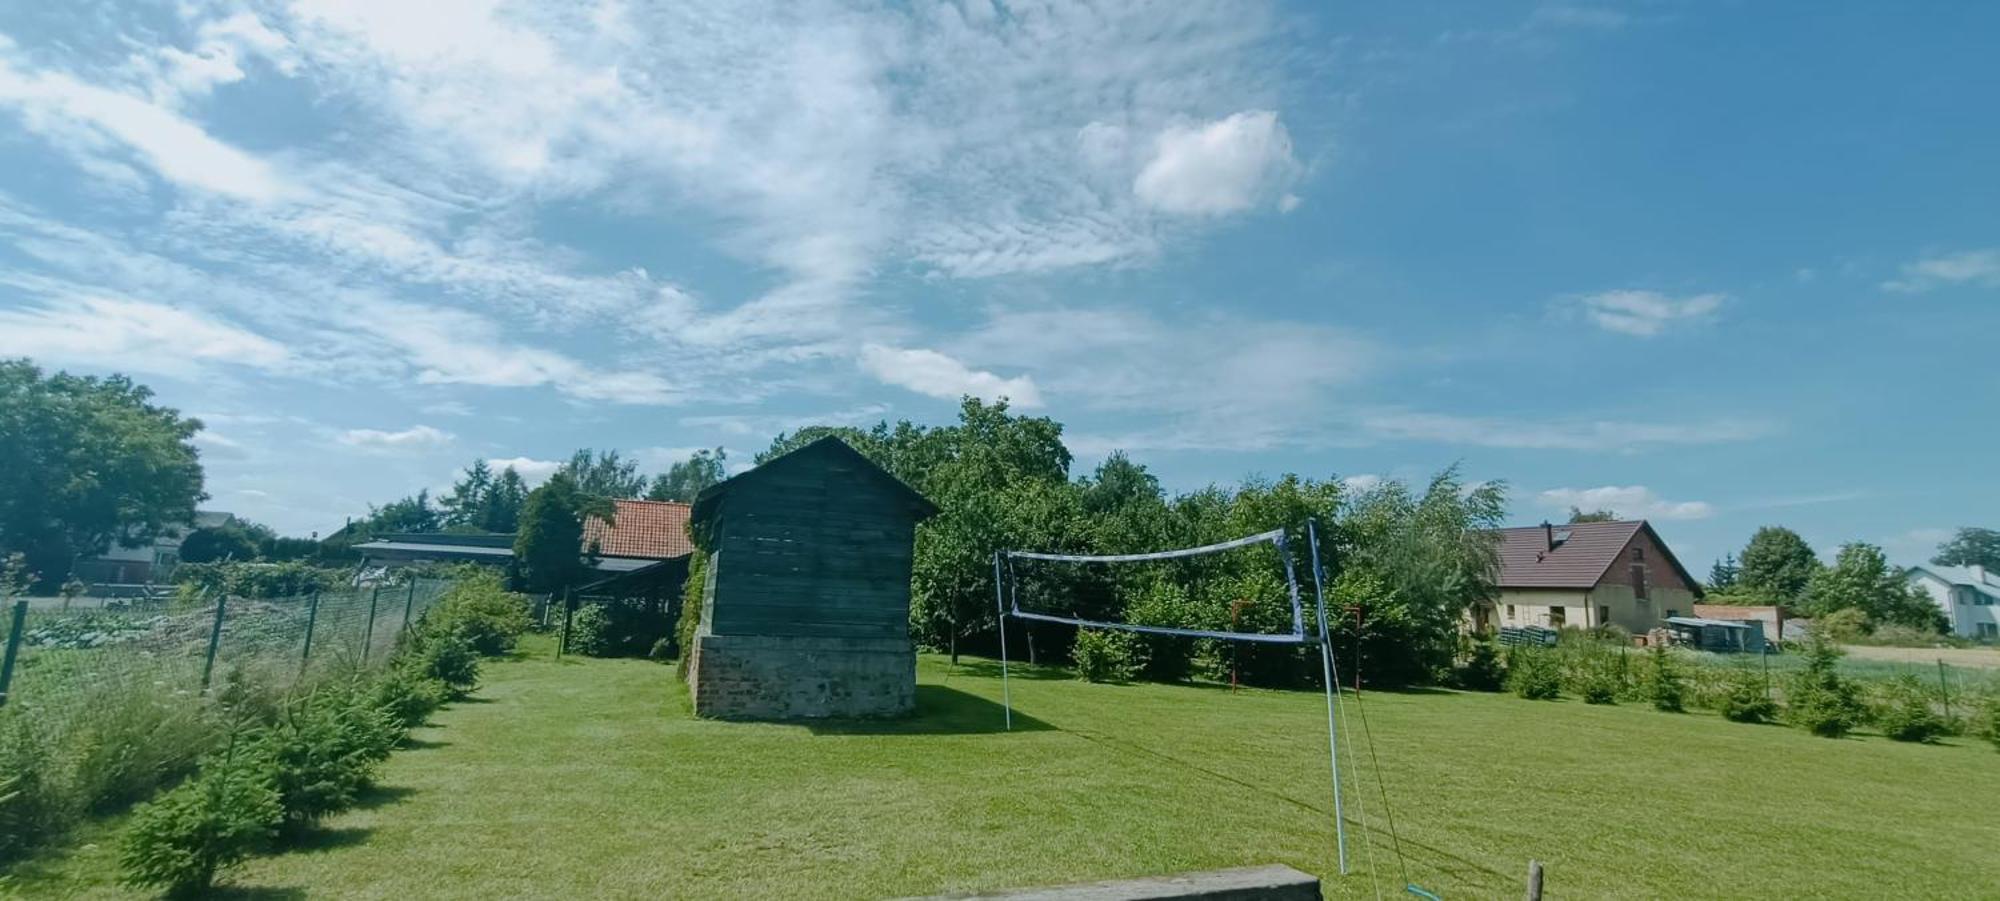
(652, 529)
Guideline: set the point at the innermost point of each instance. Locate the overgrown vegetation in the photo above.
(1746, 699)
(1904, 711)
(1532, 673)
(257, 580)
(1107, 655)
(1821, 700)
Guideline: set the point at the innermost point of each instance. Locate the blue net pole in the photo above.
(1326, 672)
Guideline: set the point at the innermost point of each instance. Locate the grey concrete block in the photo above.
(1268, 883)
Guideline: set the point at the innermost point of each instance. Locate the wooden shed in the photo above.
(806, 604)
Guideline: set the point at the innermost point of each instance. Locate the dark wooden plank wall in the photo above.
(816, 549)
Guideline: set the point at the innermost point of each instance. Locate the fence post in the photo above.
(312, 618)
(14, 633)
(569, 612)
(214, 641)
(1943, 690)
(368, 635)
(1534, 880)
(409, 603)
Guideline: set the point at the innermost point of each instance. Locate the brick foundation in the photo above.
(767, 677)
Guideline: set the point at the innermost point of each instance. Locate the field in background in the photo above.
(589, 778)
(1915, 658)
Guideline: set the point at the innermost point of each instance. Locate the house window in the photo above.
(1603, 615)
(1989, 630)
(1558, 617)
(1510, 613)
(1638, 553)
(1639, 581)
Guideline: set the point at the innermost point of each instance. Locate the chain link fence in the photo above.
(56, 659)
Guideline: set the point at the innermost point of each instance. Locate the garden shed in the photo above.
(806, 594)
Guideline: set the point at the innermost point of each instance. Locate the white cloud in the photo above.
(1645, 313)
(134, 336)
(937, 375)
(1356, 484)
(1226, 166)
(1580, 435)
(86, 119)
(449, 346)
(1628, 501)
(1968, 267)
(532, 471)
(412, 438)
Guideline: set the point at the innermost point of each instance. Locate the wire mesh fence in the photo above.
(60, 659)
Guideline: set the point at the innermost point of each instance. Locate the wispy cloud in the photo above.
(937, 375)
(415, 437)
(1966, 267)
(1645, 313)
(1628, 501)
(1534, 434)
(134, 336)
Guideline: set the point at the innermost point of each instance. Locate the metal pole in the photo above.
(409, 604)
(14, 633)
(1006, 699)
(1943, 691)
(1534, 880)
(368, 634)
(312, 619)
(214, 641)
(569, 613)
(1326, 674)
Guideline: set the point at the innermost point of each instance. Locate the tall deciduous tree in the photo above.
(549, 545)
(1862, 579)
(85, 461)
(1777, 564)
(606, 474)
(1971, 547)
(686, 479)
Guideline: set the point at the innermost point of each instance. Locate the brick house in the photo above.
(1586, 575)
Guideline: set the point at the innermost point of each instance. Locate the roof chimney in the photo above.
(1548, 536)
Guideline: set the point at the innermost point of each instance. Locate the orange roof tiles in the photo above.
(654, 529)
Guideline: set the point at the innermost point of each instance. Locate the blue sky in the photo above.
(1718, 264)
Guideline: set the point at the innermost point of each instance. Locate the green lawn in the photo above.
(590, 779)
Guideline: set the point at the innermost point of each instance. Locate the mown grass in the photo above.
(588, 778)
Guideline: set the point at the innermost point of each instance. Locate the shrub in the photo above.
(1819, 699)
(1989, 726)
(407, 696)
(1745, 700)
(479, 609)
(30, 805)
(1481, 670)
(182, 840)
(129, 740)
(1846, 625)
(1533, 673)
(1600, 682)
(256, 580)
(312, 762)
(1905, 712)
(1664, 685)
(446, 658)
(590, 631)
(1166, 658)
(1104, 655)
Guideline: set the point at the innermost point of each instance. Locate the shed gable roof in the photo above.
(827, 449)
(1579, 561)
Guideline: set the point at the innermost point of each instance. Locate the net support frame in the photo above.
(1297, 636)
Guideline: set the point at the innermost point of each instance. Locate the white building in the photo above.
(1968, 595)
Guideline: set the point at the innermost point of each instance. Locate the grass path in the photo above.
(587, 778)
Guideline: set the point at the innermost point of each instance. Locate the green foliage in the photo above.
(408, 696)
(257, 580)
(1777, 564)
(684, 480)
(1971, 547)
(1723, 576)
(1106, 655)
(1846, 625)
(549, 543)
(1904, 711)
(31, 805)
(320, 753)
(1481, 669)
(590, 631)
(182, 840)
(1599, 678)
(1819, 698)
(1666, 688)
(84, 460)
(129, 741)
(227, 542)
(483, 501)
(1989, 721)
(603, 475)
(1168, 658)
(479, 609)
(1745, 699)
(1534, 673)
(1862, 579)
(443, 657)
(693, 591)
(1578, 514)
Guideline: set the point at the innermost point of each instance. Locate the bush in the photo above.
(1481, 670)
(479, 609)
(1846, 625)
(1745, 700)
(257, 580)
(1664, 685)
(127, 741)
(1533, 673)
(447, 659)
(1819, 699)
(590, 631)
(182, 840)
(1166, 658)
(1989, 725)
(1905, 713)
(312, 762)
(1103, 655)
(407, 696)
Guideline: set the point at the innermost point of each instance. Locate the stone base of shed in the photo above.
(782, 678)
